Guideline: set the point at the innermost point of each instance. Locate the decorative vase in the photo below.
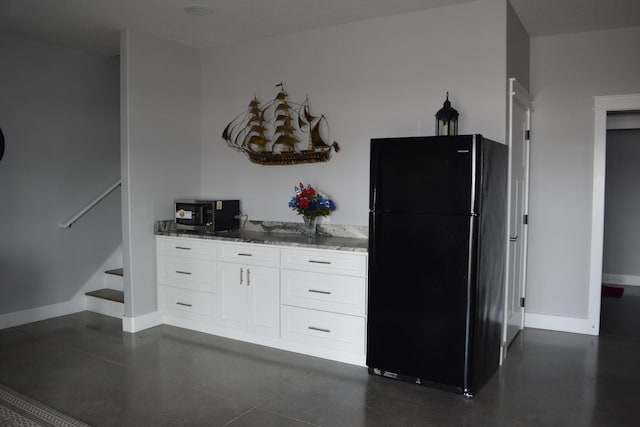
(310, 225)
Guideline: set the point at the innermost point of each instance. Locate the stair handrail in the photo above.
(87, 208)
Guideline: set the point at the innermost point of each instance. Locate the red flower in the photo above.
(303, 202)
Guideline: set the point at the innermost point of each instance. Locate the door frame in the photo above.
(517, 94)
(601, 106)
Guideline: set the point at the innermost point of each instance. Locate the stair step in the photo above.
(116, 272)
(108, 294)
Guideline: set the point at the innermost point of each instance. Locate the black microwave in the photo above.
(207, 215)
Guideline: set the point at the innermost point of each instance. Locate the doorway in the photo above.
(620, 306)
(517, 201)
(603, 106)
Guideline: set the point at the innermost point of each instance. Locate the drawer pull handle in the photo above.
(315, 291)
(183, 272)
(184, 304)
(313, 328)
(313, 261)
(184, 248)
(243, 254)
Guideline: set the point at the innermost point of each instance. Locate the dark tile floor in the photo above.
(85, 366)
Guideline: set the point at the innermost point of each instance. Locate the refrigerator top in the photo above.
(424, 175)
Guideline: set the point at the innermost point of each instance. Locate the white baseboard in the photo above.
(574, 325)
(9, 320)
(140, 323)
(74, 305)
(620, 279)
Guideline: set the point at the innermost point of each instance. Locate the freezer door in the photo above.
(422, 175)
(418, 284)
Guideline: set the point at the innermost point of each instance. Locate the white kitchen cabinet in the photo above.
(323, 329)
(306, 300)
(186, 272)
(323, 291)
(324, 300)
(324, 261)
(249, 288)
(186, 247)
(249, 298)
(187, 305)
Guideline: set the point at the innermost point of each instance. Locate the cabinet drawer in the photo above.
(193, 248)
(187, 304)
(187, 273)
(322, 329)
(324, 261)
(249, 254)
(320, 291)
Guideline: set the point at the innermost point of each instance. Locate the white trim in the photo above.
(140, 323)
(574, 325)
(602, 105)
(517, 95)
(620, 279)
(125, 173)
(628, 102)
(75, 305)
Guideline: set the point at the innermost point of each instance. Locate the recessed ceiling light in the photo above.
(198, 9)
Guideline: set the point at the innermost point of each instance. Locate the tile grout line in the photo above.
(239, 416)
(159, 378)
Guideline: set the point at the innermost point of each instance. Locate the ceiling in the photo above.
(95, 24)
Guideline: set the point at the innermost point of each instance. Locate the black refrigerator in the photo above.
(437, 244)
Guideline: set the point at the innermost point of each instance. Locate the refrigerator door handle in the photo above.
(372, 240)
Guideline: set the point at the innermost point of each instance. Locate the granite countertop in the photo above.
(280, 235)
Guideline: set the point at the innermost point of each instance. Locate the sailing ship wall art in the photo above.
(280, 132)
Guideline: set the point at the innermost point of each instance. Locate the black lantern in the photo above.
(447, 120)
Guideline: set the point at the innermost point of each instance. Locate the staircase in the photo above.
(110, 299)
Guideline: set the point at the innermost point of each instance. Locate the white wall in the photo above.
(378, 78)
(622, 204)
(160, 96)
(566, 72)
(59, 114)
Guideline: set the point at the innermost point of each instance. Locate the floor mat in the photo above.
(19, 410)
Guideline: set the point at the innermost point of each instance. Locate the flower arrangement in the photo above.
(310, 203)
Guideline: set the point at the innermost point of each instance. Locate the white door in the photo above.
(263, 285)
(518, 189)
(232, 295)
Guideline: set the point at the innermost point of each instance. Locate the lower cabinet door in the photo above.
(249, 298)
(232, 295)
(263, 286)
